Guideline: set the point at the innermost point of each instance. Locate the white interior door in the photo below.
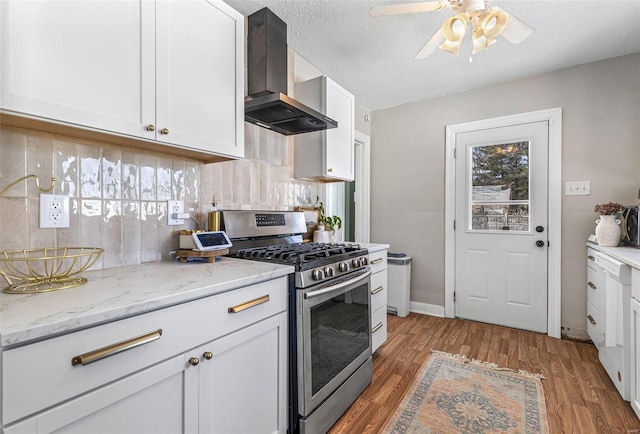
(501, 232)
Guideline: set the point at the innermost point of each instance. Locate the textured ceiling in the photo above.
(374, 57)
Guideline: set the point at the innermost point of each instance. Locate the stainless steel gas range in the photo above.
(330, 361)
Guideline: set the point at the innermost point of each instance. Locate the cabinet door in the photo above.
(243, 387)
(160, 399)
(635, 356)
(340, 141)
(200, 78)
(85, 63)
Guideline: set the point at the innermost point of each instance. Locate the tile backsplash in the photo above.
(119, 197)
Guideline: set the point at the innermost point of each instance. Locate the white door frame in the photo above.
(554, 194)
(363, 187)
(335, 191)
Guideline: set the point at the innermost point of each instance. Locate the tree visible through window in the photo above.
(500, 187)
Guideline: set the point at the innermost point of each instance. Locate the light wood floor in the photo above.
(579, 395)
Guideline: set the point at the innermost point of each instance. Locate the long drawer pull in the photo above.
(591, 258)
(110, 350)
(591, 320)
(377, 327)
(591, 285)
(377, 290)
(249, 304)
(377, 261)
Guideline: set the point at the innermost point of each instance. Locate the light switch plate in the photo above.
(577, 188)
(54, 211)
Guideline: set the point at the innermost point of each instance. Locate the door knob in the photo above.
(194, 361)
(539, 229)
(150, 128)
(540, 243)
(164, 131)
(208, 355)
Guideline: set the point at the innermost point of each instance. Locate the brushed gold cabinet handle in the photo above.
(150, 127)
(377, 261)
(376, 328)
(110, 350)
(164, 131)
(591, 285)
(208, 355)
(591, 258)
(194, 361)
(591, 320)
(377, 290)
(249, 304)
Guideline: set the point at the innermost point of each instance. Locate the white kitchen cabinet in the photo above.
(166, 72)
(595, 300)
(243, 387)
(378, 262)
(635, 341)
(326, 155)
(608, 316)
(201, 361)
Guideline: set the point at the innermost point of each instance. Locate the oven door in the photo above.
(333, 335)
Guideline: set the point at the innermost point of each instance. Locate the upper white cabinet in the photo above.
(326, 155)
(165, 71)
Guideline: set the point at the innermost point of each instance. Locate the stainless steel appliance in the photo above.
(329, 313)
(268, 105)
(630, 228)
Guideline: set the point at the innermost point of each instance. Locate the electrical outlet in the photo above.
(174, 207)
(54, 211)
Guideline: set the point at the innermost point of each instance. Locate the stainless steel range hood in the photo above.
(268, 104)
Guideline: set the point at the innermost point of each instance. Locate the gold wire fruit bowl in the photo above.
(46, 269)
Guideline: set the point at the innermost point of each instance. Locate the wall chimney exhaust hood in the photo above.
(268, 105)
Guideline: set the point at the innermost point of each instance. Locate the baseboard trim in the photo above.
(427, 309)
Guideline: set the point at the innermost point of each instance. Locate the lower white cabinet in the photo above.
(219, 365)
(378, 262)
(635, 342)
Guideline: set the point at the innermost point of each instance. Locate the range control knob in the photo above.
(364, 260)
(317, 275)
(355, 263)
(328, 271)
(343, 267)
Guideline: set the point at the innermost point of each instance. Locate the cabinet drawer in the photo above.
(593, 325)
(378, 261)
(594, 288)
(378, 290)
(39, 375)
(378, 328)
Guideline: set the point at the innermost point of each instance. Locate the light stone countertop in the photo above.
(628, 255)
(116, 293)
(373, 247)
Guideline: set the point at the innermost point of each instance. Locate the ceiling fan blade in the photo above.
(516, 31)
(431, 46)
(408, 8)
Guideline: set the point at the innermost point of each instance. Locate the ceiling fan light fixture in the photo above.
(455, 28)
(493, 21)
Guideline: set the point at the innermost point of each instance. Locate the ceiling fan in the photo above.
(486, 24)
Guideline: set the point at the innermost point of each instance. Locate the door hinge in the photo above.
(454, 152)
(454, 225)
(454, 296)
(548, 244)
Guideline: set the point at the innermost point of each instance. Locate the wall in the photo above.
(601, 143)
(119, 196)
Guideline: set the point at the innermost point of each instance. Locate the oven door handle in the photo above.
(337, 287)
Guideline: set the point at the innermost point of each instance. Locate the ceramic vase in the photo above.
(335, 236)
(608, 231)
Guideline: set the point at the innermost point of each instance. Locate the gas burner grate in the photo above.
(298, 252)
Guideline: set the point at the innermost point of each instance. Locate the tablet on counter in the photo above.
(217, 240)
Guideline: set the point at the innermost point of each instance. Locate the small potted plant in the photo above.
(607, 226)
(331, 223)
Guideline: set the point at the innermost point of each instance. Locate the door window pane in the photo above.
(500, 187)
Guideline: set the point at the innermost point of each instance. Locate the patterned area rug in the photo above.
(453, 394)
